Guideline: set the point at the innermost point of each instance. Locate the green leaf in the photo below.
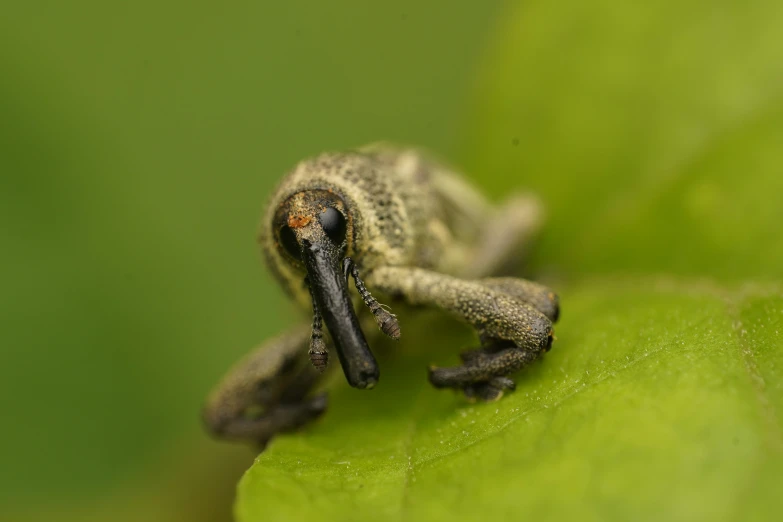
(654, 133)
(661, 399)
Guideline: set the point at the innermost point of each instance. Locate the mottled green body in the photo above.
(416, 233)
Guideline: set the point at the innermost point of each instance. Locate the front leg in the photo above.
(266, 393)
(513, 333)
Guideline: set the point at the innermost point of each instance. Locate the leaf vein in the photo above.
(769, 417)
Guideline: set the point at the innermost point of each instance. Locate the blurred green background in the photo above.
(138, 144)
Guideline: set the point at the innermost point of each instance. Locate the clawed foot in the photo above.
(483, 376)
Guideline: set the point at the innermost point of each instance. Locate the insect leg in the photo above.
(266, 393)
(513, 333)
(536, 295)
(505, 236)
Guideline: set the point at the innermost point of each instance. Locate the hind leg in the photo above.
(506, 237)
(266, 393)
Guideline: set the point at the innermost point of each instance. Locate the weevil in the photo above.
(406, 227)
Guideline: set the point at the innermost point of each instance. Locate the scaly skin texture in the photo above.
(410, 229)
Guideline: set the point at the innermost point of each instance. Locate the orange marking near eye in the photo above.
(298, 221)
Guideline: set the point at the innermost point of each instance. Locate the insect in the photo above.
(409, 229)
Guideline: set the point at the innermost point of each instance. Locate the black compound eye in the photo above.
(333, 223)
(289, 242)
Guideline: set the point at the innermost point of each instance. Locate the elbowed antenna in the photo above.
(319, 355)
(386, 320)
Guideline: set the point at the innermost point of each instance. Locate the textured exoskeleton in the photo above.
(406, 227)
